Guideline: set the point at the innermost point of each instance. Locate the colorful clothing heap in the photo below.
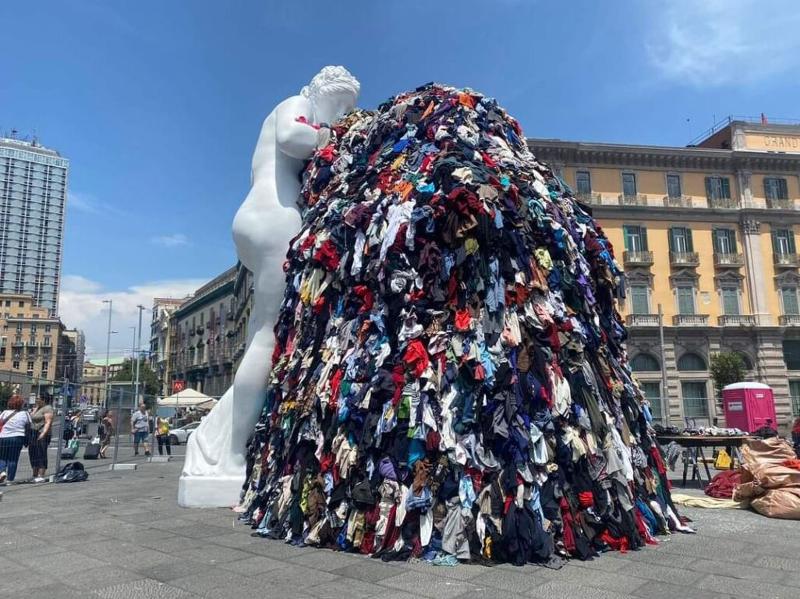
(449, 379)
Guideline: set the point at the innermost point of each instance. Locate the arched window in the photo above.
(645, 363)
(691, 362)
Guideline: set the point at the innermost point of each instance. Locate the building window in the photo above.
(15, 365)
(628, 184)
(794, 393)
(730, 301)
(635, 238)
(783, 242)
(680, 240)
(22, 304)
(718, 188)
(691, 362)
(645, 363)
(45, 365)
(652, 392)
(724, 241)
(640, 299)
(685, 295)
(791, 353)
(775, 188)
(674, 186)
(695, 399)
(583, 182)
(789, 299)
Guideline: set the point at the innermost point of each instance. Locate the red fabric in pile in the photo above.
(723, 484)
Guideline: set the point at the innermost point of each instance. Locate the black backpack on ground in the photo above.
(71, 473)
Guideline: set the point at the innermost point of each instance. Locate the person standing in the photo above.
(12, 437)
(162, 435)
(140, 425)
(106, 432)
(41, 426)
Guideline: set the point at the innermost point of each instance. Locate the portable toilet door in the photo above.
(749, 406)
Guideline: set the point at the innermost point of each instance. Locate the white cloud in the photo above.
(721, 42)
(170, 241)
(81, 305)
(89, 204)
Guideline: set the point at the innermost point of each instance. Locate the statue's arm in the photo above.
(295, 139)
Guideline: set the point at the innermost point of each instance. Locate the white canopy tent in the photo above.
(188, 398)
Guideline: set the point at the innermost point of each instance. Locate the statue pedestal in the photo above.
(209, 491)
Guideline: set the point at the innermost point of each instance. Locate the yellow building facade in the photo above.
(706, 236)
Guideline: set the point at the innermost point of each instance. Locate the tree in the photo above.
(727, 367)
(6, 391)
(148, 380)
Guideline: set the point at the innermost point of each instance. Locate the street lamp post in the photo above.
(138, 356)
(108, 353)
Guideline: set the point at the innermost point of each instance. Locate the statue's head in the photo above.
(332, 92)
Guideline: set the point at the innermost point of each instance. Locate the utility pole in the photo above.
(108, 353)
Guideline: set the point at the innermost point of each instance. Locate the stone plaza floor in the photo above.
(121, 535)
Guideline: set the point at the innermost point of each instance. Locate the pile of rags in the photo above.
(449, 379)
(770, 480)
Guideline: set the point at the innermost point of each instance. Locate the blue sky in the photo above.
(158, 103)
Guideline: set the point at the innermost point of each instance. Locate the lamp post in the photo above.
(138, 356)
(108, 352)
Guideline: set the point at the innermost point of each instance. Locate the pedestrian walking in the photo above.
(162, 435)
(13, 423)
(140, 425)
(106, 432)
(39, 439)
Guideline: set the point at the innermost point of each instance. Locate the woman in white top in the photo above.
(12, 437)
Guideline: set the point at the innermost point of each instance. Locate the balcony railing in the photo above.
(636, 199)
(641, 320)
(736, 320)
(589, 197)
(690, 320)
(780, 203)
(678, 201)
(732, 260)
(684, 258)
(637, 258)
(725, 203)
(785, 260)
(789, 320)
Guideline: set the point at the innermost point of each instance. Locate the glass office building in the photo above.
(33, 193)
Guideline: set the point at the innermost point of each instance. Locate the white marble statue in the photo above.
(265, 223)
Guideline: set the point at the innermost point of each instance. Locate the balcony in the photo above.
(690, 320)
(789, 320)
(678, 201)
(684, 258)
(780, 203)
(641, 320)
(724, 203)
(736, 320)
(637, 258)
(589, 197)
(728, 260)
(636, 199)
(785, 260)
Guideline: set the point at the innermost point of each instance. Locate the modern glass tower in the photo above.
(33, 193)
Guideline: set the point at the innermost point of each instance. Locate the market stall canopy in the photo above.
(184, 399)
(207, 406)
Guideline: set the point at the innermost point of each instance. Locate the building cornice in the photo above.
(660, 157)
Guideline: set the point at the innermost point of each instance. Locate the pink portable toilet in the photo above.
(749, 406)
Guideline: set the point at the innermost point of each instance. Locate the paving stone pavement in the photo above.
(121, 534)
